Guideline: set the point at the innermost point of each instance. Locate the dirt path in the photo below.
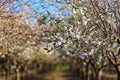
(61, 75)
(52, 75)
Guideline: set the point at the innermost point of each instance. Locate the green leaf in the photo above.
(71, 19)
(51, 24)
(104, 48)
(111, 11)
(62, 29)
(75, 7)
(52, 33)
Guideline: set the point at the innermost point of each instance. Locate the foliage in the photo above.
(61, 66)
(89, 37)
(19, 42)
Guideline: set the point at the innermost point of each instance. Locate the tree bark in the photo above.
(18, 74)
(7, 75)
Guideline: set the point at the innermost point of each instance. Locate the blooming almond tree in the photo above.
(90, 37)
(19, 43)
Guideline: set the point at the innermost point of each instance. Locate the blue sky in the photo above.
(39, 7)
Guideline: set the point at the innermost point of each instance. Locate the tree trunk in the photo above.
(18, 74)
(7, 75)
(86, 71)
(118, 72)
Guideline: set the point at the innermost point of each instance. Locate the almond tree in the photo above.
(15, 39)
(91, 34)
